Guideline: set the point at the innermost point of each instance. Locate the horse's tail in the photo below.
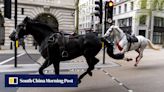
(151, 45)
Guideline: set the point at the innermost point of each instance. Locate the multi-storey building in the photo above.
(86, 16)
(136, 18)
(59, 14)
(133, 16)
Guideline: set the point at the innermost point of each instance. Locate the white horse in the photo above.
(120, 39)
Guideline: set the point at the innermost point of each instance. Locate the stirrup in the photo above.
(64, 54)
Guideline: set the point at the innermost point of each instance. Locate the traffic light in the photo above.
(109, 6)
(98, 9)
(7, 9)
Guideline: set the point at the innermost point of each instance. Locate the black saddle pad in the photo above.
(131, 38)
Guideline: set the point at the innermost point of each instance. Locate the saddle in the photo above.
(61, 40)
(131, 38)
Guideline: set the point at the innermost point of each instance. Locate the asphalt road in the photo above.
(5, 56)
(24, 59)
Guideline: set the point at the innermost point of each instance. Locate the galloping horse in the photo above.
(50, 42)
(51, 45)
(127, 43)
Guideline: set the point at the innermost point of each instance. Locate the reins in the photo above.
(47, 51)
(31, 57)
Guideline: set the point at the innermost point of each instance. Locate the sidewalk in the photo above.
(30, 50)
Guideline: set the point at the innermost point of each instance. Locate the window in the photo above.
(22, 11)
(125, 22)
(130, 21)
(131, 6)
(114, 11)
(119, 9)
(157, 36)
(158, 21)
(142, 20)
(125, 8)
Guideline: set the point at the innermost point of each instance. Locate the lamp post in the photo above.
(16, 42)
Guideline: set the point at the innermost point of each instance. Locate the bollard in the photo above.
(11, 45)
(36, 46)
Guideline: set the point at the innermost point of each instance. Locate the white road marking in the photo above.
(130, 90)
(12, 58)
(115, 79)
(121, 84)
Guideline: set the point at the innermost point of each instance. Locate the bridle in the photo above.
(22, 27)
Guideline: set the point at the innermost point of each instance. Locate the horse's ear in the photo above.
(26, 19)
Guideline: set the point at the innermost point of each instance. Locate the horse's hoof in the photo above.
(41, 73)
(135, 65)
(90, 73)
(129, 59)
(79, 81)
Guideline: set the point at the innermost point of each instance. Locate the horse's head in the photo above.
(115, 32)
(20, 32)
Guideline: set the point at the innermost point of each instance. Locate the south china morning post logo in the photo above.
(29, 80)
(13, 80)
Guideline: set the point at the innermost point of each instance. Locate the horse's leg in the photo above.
(91, 63)
(55, 61)
(87, 72)
(56, 65)
(45, 65)
(139, 57)
(81, 76)
(123, 52)
(137, 50)
(54, 55)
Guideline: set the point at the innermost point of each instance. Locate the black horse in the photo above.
(54, 44)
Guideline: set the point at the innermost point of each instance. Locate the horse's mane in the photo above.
(42, 25)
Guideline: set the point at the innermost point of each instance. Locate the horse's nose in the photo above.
(12, 36)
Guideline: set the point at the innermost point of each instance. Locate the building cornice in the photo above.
(41, 4)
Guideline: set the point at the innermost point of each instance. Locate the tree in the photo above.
(153, 5)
